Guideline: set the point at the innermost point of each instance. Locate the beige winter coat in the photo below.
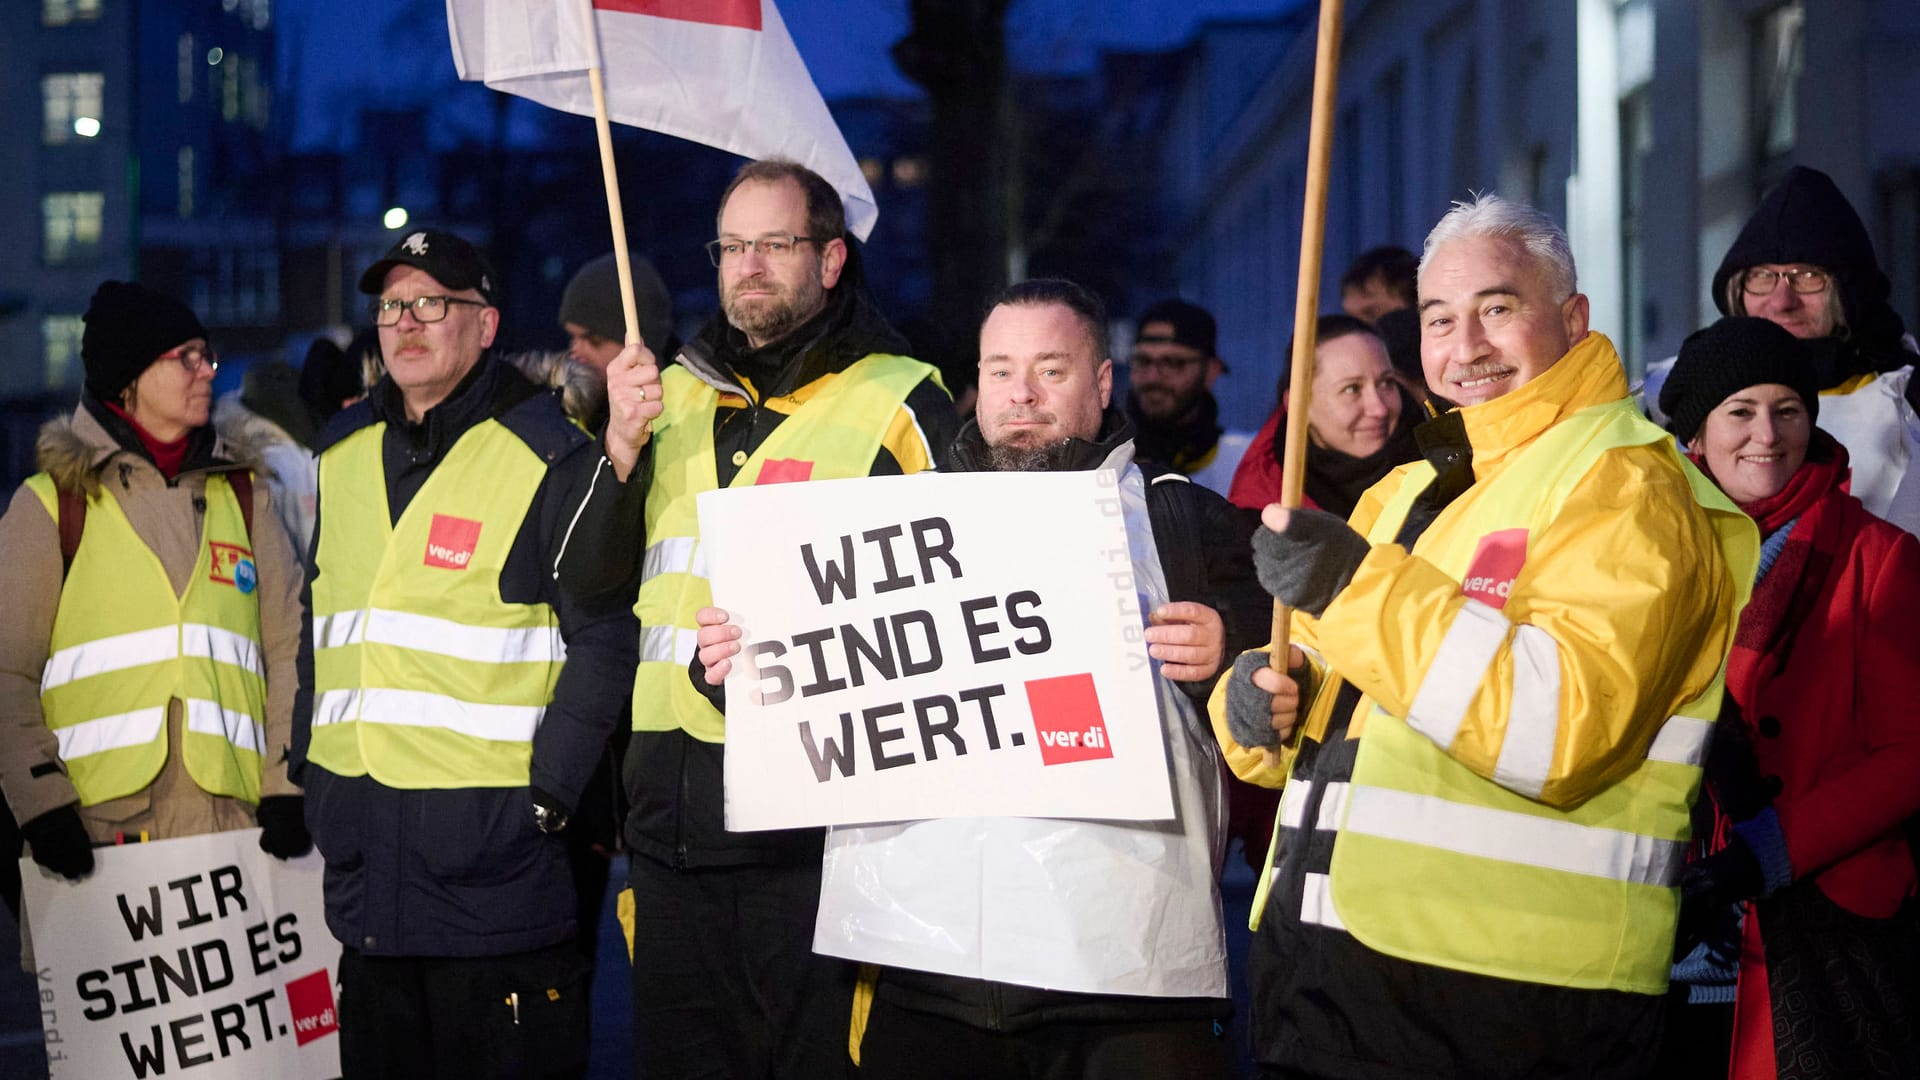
(79, 454)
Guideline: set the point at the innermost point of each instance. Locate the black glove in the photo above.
(283, 826)
(60, 843)
(1709, 889)
(1306, 566)
(1725, 877)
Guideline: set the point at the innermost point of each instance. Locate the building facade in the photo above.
(1650, 128)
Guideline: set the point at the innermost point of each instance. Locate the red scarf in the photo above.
(1814, 551)
(168, 457)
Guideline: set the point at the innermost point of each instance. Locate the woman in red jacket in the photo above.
(1817, 772)
(1359, 427)
(1359, 424)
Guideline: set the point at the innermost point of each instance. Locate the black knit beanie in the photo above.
(129, 326)
(1727, 357)
(592, 300)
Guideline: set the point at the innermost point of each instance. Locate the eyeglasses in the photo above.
(193, 357)
(1760, 281)
(771, 248)
(426, 309)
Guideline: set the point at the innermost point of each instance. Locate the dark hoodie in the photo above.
(1805, 219)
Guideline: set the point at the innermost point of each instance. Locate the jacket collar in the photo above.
(1588, 375)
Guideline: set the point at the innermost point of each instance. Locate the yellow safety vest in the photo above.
(124, 646)
(1436, 864)
(834, 435)
(423, 676)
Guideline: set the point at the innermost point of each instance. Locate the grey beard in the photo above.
(1029, 459)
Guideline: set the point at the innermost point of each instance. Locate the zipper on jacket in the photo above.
(680, 811)
(996, 1008)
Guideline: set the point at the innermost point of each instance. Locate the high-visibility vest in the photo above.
(423, 676)
(124, 646)
(834, 435)
(1436, 864)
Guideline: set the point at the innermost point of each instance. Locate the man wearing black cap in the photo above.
(441, 735)
(1174, 415)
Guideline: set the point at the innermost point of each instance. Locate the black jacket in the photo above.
(1205, 546)
(464, 872)
(674, 781)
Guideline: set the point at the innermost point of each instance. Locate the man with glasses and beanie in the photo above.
(1175, 418)
(147, 656)
(453, 702)
(1804, 262)
(798, 378)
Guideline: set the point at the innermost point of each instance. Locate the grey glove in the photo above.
(1306, 566)
(1249, 708)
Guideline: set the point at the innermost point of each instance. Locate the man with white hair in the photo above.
(1504, 674)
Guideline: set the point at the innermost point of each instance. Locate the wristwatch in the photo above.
(547, 819)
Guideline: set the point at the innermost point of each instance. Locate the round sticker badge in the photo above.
(244, 576)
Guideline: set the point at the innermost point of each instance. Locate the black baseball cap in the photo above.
(452, 261)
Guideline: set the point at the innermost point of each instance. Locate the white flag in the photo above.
(720, 72)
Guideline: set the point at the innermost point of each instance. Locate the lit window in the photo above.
(60, 341)
(184, 160)
(909, 172)
(68, 98)
(230, 91)
(1778, 59)
(183, 60)
(71, 223)
(67, 12)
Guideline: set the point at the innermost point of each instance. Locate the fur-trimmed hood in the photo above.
(583, 391)
(75, 450)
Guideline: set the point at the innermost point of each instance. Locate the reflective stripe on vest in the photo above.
(423, 676)
(1435, 864)
(835, 434)
(124, 645)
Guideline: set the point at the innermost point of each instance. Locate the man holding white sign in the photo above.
(1094, 946)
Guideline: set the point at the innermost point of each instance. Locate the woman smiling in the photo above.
(1812, 770)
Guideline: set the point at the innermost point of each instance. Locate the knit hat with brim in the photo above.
(1727, 357)
(128, 327)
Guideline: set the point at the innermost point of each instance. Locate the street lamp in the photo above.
(395, 218)
(86, 126)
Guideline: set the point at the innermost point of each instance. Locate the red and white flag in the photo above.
(720, 72)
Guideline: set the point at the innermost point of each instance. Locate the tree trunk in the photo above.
(957, 51)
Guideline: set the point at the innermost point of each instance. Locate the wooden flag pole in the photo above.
(605, 132)
(1306, 302)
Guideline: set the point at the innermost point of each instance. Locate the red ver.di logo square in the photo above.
(310, 1001)
(450, 542)
(1067, 718)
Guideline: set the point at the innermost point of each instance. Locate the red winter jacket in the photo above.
(1840, 728)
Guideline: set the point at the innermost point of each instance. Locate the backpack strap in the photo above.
(241, 481)
(72, 508)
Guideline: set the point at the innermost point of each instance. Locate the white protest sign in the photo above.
(202, 956)
(940, 645)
